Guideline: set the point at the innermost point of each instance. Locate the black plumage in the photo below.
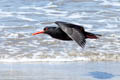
(69, 31)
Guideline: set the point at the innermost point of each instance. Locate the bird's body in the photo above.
(57, 33)
(68, 31)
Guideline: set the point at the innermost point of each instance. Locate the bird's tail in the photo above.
(92, 35)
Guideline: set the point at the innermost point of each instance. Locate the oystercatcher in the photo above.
(68, 31)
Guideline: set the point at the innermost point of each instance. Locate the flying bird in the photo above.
(68, 31)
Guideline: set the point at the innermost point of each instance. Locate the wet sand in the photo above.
(60, 71)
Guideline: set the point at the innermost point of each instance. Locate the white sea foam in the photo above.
(12, 35)
(49, 9)
(78, 15)
(44, 60)
(107, 2)
(25, 18)
(54, 11)
(24, 13)
(96, 57)
(31, 7)
(5, 14)
(112, 26)
(49, 5)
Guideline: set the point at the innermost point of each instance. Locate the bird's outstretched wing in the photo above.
(75, 32)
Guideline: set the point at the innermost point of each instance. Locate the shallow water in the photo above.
(64, 71)
(20, 18)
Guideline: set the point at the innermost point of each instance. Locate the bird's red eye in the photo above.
(46, 29)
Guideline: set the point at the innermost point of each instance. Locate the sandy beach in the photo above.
(60, 71)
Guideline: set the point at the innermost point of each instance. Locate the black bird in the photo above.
(68, 31)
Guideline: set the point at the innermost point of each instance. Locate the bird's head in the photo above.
(46, 30)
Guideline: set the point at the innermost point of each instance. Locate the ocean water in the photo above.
(20, 18)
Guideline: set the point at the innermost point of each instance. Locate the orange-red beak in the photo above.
(38, 33)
